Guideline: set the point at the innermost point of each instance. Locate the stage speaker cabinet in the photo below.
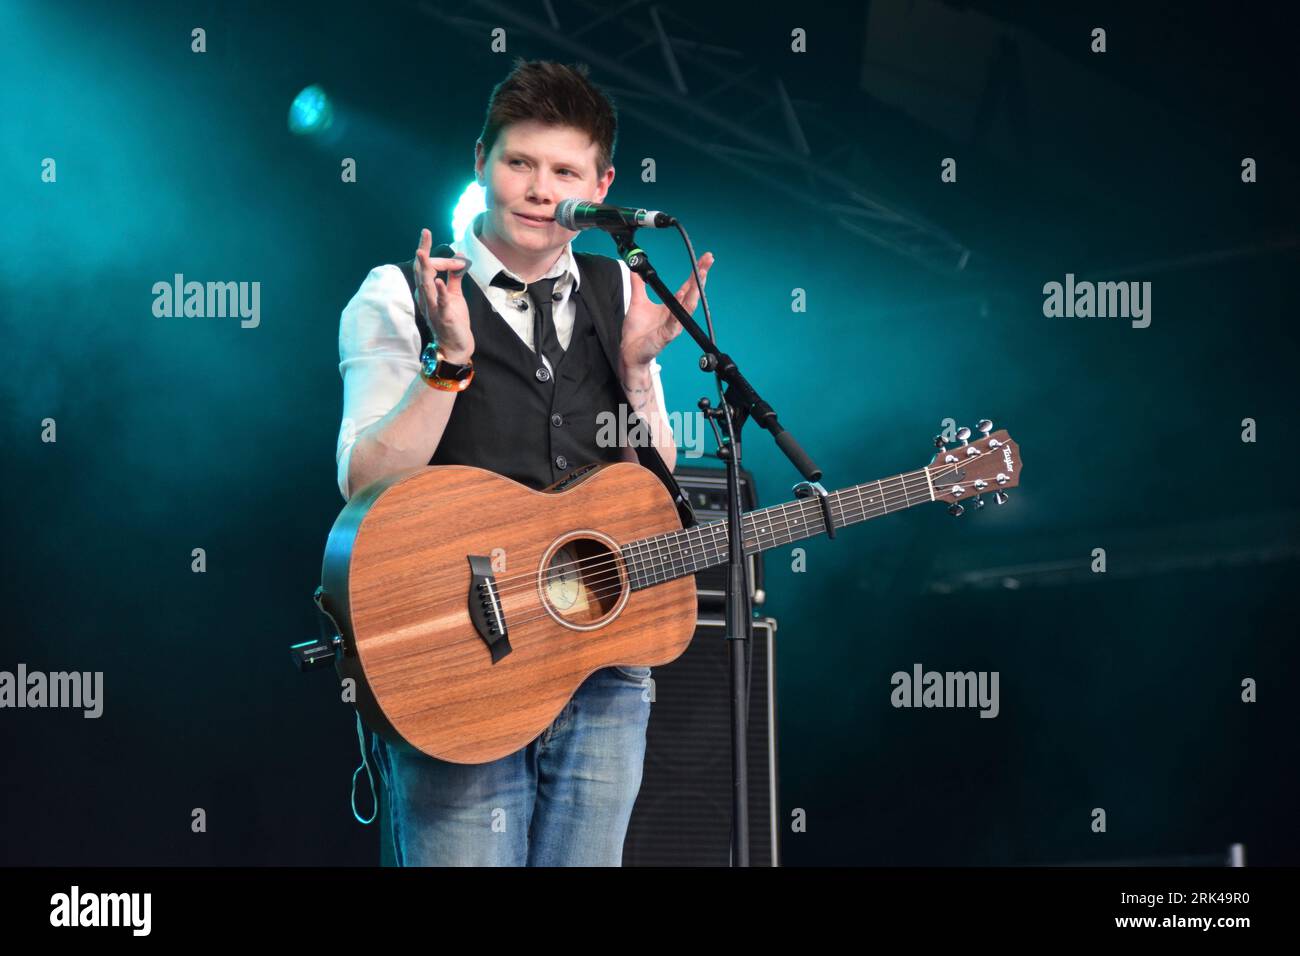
(707, 489)
(682, 815)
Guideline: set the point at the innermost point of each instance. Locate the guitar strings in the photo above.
(605, 584)
(608, 561)
(528, 578)
(599, 587)
(641, 562)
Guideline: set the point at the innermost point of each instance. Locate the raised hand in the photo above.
(648, 327)
(441, 303)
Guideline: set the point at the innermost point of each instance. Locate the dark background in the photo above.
(1118, 690)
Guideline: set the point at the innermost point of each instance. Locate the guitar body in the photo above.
(399, 585)
(470, 608)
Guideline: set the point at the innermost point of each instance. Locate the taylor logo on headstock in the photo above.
(971, 469)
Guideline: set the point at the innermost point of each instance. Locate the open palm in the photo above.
(648, 327)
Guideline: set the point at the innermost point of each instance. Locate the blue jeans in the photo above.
(564, 800)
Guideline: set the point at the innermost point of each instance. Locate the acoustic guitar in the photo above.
(469, 607)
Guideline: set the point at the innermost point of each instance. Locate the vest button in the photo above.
(561, 462)
(543, 374)
(557, 420)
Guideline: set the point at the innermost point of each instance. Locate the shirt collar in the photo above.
(486, 265)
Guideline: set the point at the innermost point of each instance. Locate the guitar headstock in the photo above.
(988, 465)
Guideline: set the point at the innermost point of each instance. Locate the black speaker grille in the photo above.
(682, 815)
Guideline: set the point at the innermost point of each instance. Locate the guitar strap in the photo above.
(607, 286)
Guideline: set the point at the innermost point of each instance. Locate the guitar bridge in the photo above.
(485, 608)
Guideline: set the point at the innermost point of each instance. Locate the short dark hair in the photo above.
(557, 95)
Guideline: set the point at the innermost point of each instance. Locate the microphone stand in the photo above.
(740, 402)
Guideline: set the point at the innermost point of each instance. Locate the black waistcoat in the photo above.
(518, 420)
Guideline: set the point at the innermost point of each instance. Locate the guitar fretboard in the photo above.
(663, 557)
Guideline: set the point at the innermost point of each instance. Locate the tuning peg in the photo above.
(955, 509)
(938, 441)
(963, 434)
(978, 502)
(1000, 497)
(985, 426)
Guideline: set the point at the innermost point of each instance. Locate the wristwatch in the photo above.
(443, 375)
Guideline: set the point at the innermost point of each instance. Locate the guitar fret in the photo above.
(801, 524)
(629, 563)
(648, 561)
(661, 557)
(626, 552)
(638, 563)
(647, 567)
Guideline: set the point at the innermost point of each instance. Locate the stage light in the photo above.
(470, 204)
(311, 112)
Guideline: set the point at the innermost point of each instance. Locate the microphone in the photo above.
(578, 214)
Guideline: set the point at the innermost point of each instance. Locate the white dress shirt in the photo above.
(379, 342)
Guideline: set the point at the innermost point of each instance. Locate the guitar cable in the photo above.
(731, 437)
(365, 764)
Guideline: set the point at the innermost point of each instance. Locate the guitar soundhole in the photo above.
(583, 582)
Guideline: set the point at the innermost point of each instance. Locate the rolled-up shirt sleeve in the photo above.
(379, 355)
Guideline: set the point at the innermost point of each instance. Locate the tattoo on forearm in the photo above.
(635, 394)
